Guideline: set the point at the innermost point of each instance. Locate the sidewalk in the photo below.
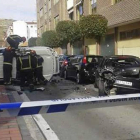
(9, 129)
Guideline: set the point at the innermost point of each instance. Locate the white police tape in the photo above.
(62, 105)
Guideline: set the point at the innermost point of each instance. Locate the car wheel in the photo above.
(65, 75)
(95, 83)
(103, 88)
(78, 79)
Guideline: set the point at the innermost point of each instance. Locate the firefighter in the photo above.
(8, 55)
(24, 66)
(38, 71)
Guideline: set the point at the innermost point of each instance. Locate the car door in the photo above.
(70, 67)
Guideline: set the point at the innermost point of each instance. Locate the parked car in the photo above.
(121, 71)
(65, 62)
(82, 68)
(64, 59)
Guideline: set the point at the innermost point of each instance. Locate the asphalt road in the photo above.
(113, 123)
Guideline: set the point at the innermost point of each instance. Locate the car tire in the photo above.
(65, 75)
(95, 83)
(79, 79)
(103, 89)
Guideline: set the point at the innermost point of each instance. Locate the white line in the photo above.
(45, 128)
(46, 131)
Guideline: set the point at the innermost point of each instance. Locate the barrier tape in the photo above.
(62, 105)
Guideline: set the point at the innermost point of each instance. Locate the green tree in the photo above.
(68, 31)
(32, 41)
(93, 26)
(39, 41)
(50, 39)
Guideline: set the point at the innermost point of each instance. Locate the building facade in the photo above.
(23, 29)
(4, 24)
(123, 36)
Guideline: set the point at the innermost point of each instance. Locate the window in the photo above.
(71, 16)
(41, 12)
(56, 20)
(130, 34)
(79, 11)
(93, 6)
(116, 1)
(56, 1)
(45, 8)
(49, 4)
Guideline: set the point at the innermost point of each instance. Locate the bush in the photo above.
(93, 26)
(50, 39)
(68, 31)
(39, 41)
(32, 41)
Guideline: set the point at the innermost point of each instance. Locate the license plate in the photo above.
(123, 83)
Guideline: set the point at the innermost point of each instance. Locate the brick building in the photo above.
(123, 36)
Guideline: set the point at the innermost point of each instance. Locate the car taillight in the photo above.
(84, 60)
(65, 62)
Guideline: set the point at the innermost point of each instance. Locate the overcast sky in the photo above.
(18, 9)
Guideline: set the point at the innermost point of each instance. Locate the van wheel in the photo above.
(103, 88)
(65, 75)
(79, 79)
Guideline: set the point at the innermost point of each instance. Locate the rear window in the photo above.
(91, 59)
(121, 62)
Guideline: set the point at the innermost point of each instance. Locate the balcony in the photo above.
(69, 4)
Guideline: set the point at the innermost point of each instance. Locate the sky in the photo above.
(18, 9)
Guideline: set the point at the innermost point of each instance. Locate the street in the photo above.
(113, 123)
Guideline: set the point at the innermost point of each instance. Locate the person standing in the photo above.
(24, 66)
(8, 55)
(38, 71)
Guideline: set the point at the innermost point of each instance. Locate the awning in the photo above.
(79, 3)
(70, 11)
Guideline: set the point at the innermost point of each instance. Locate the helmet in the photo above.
(33, 52)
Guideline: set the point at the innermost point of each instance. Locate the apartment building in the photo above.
(123, 36)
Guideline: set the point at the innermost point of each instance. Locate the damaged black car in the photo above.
(120, 71)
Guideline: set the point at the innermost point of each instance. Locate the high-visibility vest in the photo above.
(25, 62)
(39, 63)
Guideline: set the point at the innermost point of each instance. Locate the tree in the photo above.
(39, 41)
(93, 26)
(32, 41)
(50, 39)
(68, 31)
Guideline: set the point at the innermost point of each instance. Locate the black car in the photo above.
(64, 63)
(82, 67)
(120, 71)
(64, 59)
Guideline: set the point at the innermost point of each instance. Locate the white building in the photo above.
(31, 29)
(23, 29)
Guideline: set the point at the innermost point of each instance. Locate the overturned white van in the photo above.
(50, 65)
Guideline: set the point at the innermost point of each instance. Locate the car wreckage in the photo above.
(120, 71)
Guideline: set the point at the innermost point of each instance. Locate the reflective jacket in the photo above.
(8, 55)
(24, 62)
(39, 61)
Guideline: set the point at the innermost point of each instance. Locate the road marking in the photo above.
(45, 128)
